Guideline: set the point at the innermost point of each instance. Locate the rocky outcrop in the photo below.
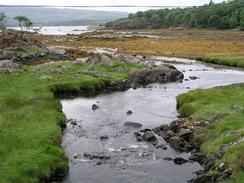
(101, 59)
(179, 134)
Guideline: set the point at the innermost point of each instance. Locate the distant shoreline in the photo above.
(109, 6)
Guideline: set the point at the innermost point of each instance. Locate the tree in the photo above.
(233, 21)
(214, 21)
(3, 22)
(24, 22)
(211, 2)
(242, 19)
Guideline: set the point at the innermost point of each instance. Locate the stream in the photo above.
(126, 160)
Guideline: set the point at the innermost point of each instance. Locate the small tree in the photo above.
(3, 22)
(24, 23)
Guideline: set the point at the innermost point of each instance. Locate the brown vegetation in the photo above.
(190, 43)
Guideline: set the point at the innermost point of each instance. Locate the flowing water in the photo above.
(131, 161)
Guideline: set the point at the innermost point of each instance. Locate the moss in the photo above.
(229, 61)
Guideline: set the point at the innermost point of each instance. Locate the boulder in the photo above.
(167, 135)
(104, 137)
(149, 136)
(7, 54)
(180, 160)
(197, 156)
(95, 107)
(179, 144)
(138, 136)
(160, 74)
(193, 77)
(185, 134)
(129, 112)
(161, 129)
(8, 64)
(101, 59)
(57, 53)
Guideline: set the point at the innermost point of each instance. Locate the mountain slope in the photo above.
(57, 16)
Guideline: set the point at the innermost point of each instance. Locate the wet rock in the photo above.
(145, 130)
(161, 129)
(149, 136)
(97, 155)
(167, 135)
(132, 124)
(76, 156)
(73, 122)
(105, 137)
(197, 157)
(179, 144)
(161, 146)
(138, 136)
(199, 172)
(129, 112)
(186, 134)
(202, 179)
(99, 163)
(209, 162)
(95, 107)
(180, 161)
(193, 77)
(168, 159)
(226, 174)
(175, 126)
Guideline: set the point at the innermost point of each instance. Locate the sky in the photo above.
(108, 2)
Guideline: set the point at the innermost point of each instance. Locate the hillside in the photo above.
(226, 15)
(65, 17)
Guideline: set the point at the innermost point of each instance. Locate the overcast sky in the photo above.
(107, 2)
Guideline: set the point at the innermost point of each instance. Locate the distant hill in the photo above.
(48, 16)
(226, 15)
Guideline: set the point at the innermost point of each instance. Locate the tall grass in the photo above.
(217, 103)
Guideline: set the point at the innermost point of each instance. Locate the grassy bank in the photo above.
(225, 106)
(228, 61)
(31, 117)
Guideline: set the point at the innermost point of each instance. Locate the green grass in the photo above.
(217, 103)
(31, 117)
(229, 61)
